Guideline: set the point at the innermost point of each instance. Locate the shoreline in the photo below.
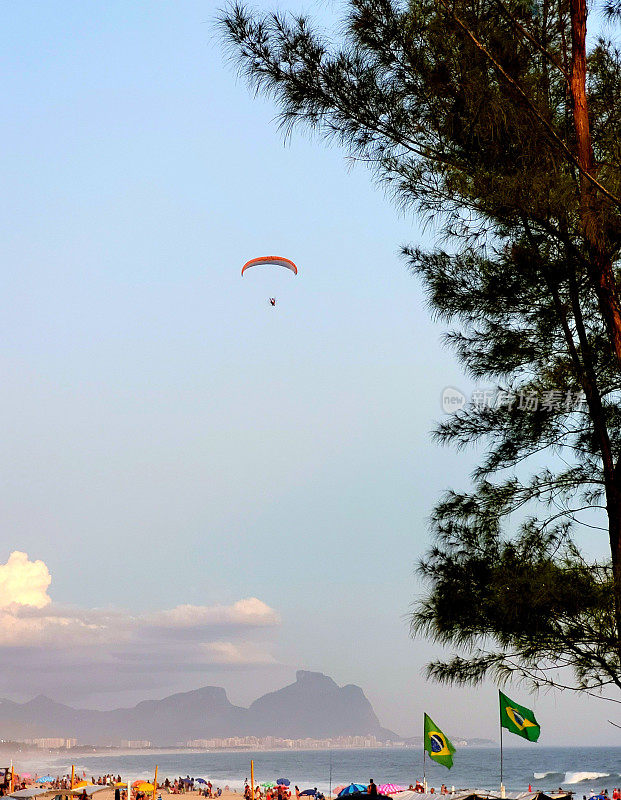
(581, 770)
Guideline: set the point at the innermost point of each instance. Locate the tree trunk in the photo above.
(578, 86)
(600, 264)
(613, 504)
(592, 203)
(585, 369)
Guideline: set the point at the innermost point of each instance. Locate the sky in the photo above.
(198, 488)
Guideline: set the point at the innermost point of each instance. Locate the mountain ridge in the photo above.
(314, 706)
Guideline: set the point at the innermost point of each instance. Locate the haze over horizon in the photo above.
(199, 489)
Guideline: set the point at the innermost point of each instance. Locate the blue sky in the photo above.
(170, 439)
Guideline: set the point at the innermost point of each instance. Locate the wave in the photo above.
(579, 777)
(540, 775)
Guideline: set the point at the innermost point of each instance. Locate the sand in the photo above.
(108, 794)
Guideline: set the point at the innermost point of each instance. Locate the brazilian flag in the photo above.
(439, 746)
(517, 719)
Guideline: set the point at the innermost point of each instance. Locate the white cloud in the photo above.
(24, 582)
(237, 654)
(112, 648)
(250, 611)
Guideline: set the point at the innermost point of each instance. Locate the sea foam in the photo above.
(578, 777)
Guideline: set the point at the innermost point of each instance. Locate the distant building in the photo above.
(135, 744)
(52, 743)
(276, 743)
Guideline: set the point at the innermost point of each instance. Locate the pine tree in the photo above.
(492, 116)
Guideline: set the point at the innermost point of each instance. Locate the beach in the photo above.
(583, 770)
(107, 793)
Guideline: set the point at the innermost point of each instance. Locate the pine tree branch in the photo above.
(527, 35)
(533, 108)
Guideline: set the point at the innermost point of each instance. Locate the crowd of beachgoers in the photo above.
(84, 789)
(140, 789)
(111, 786)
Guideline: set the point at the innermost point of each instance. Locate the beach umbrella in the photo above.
(283, 781)
(364, 796)
(353, 788)
(338, 789)
(120, 785)
(143, 786)
(390, 788)
(267, 785)
(80, 784)
(44, 779)
(309, 792)
(201, 780)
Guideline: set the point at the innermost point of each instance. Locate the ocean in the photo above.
(583, 770)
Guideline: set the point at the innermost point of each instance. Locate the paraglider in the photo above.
(276, 261)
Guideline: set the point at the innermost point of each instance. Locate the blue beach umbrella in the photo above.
(309, 792)
(283, 781)
(201, 780)
(352, 789)
(44, 779)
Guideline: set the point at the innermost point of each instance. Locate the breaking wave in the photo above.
(538, 776)
(579, 777)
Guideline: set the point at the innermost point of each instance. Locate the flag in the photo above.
(517, 719)
(439, 746)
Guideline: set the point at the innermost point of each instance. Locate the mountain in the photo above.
(314, 706)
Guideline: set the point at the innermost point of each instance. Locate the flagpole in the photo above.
(502, 788)
(425, 752)
(330, 792)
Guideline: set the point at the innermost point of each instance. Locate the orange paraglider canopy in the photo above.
(277, 261)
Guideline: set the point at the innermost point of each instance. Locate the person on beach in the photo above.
(372, 788)
(117, 793)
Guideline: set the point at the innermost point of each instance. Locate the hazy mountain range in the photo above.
(314, 706)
